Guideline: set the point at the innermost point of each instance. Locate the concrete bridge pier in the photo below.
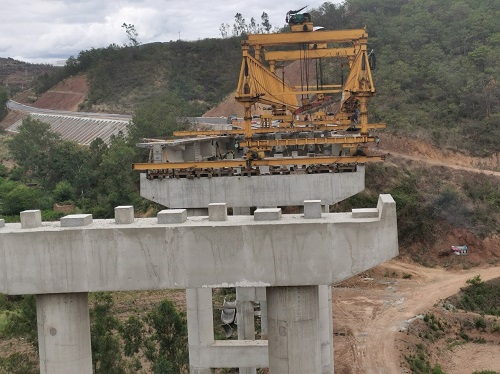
(200, 328)
(62, 261)
(245, 298)
(293, 323)
(64, 333)
(63, 322)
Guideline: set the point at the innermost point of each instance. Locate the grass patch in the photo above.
(3, 323)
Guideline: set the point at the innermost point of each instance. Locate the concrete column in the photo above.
(326, 328)
(260, 295)
(244, 306)
(64, 333)
(246, 319)
(293, 323)
(200, 328)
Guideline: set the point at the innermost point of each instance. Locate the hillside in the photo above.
(18, 76)
(66, 95)
(437, 73)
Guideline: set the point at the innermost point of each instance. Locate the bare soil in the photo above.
(67, 95)
(372, 313)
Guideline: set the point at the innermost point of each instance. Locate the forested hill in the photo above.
(437, 75)
(438, 66)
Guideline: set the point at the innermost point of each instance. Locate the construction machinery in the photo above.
(319, 124)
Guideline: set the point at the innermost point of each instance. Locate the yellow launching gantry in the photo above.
(311, 127)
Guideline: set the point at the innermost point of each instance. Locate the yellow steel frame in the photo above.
(299, 126)
(219, 164)
(333, 36)
(305, 141)
(258, 83)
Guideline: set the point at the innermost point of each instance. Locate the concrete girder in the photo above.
(243, 192)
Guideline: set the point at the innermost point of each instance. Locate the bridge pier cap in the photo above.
(195, 252)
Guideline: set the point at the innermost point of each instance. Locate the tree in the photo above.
(63, 191)
(224, 30)
(23, 198)
(45, 157)
(253, 28)
(4, 97)
(266, 25)
(115, 184)
(167, 344)
(239, 26)
(131, 34)
(159, 117)
(132, 332)
(106, 347)
(31, 146)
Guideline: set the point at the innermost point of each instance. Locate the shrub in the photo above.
(480, 323)
(22, 198)
(63, 192)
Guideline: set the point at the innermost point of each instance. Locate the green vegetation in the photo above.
(436, 327)
(159, 338)
(480, 297)
(4, 97)
(419, 362)
(93, 178)
(438, 67)
(18, 363)
(200, 74)
(429, 203)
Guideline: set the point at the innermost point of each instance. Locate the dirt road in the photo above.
(369, 315)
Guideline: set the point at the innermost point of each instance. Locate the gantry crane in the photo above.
(299, 133)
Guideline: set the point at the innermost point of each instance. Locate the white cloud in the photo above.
(52, 30)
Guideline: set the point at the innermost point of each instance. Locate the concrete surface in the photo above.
(293, 323)
(259, 191)
(105, 256)
(64, 333)
(124, 214)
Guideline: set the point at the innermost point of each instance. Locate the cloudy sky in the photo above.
(50, 31)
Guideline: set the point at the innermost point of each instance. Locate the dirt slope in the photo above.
(371, 312)
(67, 95)
(418, 150)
